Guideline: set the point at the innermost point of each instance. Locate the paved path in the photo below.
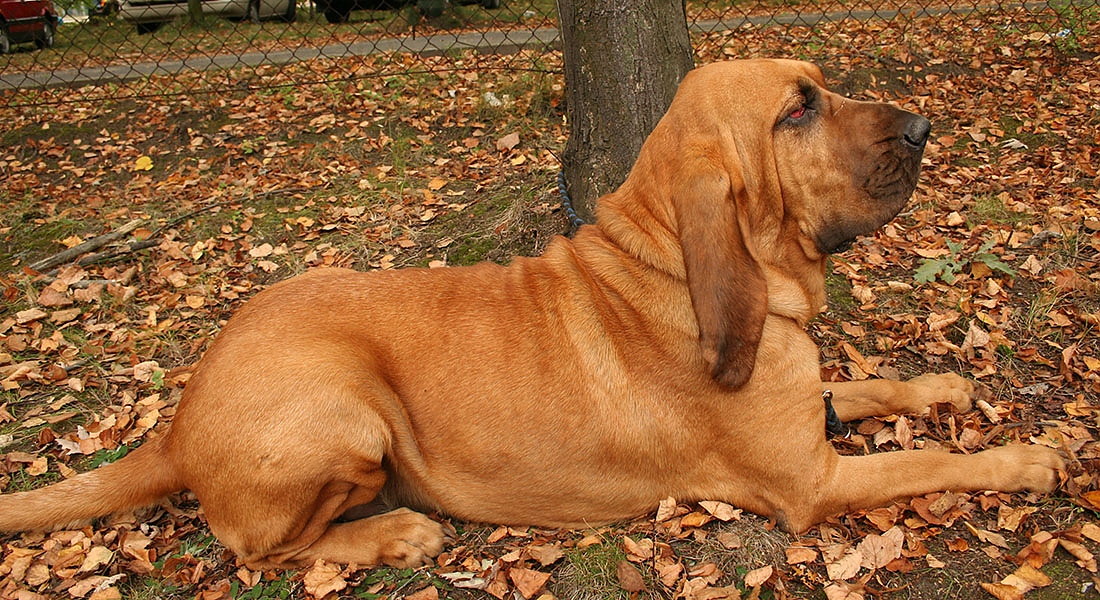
(488, 41)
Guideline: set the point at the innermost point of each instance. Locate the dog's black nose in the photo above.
(916, 132)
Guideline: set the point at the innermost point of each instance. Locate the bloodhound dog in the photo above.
(660, 352)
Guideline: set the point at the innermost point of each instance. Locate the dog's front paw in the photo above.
(944, 387)
(1027, 467)
(413, 539)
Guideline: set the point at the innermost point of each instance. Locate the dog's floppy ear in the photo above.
(727, 286)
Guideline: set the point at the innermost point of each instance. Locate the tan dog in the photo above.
(659, 353)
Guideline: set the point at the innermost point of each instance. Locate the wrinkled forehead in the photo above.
(753, 82)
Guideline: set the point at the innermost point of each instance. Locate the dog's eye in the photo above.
(797, 113)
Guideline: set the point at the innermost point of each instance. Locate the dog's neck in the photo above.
(793, 299)
(641, 231)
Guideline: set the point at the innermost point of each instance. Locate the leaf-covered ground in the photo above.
(992, 273)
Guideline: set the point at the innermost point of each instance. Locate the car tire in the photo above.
(49, 30)
(5, 41)
(291, 13)
(144, 28)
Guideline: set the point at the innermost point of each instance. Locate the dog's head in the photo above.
(766, 171)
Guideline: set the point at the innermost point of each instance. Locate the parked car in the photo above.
(25, 21)
(149, 15)
(338, 11)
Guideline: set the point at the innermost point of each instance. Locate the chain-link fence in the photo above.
(157, 47)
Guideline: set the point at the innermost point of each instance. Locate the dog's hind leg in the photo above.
(880, 397)
(284, 538)
(400, 538)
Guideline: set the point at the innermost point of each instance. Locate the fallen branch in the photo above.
(116, 252)
(70, 254)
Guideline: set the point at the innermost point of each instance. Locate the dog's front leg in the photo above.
(879, 397)
(859, 482)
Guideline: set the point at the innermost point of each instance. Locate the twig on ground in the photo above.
(95, 243)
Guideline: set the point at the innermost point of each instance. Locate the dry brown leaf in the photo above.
(1002, 591)
(547, 554)
(668, 570)
(508, 142)
(527, 581)
(1085, 559)
(639, 551)
(721, 510)
(877, 551)
(695, 519)
(842, 591)
(729, 540)
(1010, 518)
(758, 577)
(97, 557)
(1091, 531)
(1027, 578)
(428, 593)
(666, 509)
(324, 578)
(630, 579)
(800, 554)
(845, 567)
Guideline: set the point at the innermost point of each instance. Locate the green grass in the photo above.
(591, 573)
(992, 209)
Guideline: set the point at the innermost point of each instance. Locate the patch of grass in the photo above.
(991, 209)
(154, 588)
(281, 588)
(1013, 128)
(591, 573)
(28, 235)
(838, 290)
(388, 582)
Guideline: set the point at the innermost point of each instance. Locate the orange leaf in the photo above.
(528, 582)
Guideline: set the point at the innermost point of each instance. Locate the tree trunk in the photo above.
(623, 63)
(194, 11)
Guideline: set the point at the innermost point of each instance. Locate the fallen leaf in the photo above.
(841, 591)
(1085, 558)
(546, 555)
(508, 142)
(97, 557)
(143, 163)
(528, 581)
(639, 551)
(757, 577)
(800, 554)
(721, 510)
(666, 509)
(630, 579)
(1002, 591)
(323, 578)
(428, 593)
(878, 550)
(845, 567)
(1009, 518)
(1091, 531)
(261, 251)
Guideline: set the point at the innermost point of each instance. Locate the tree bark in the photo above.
(194, 11)
(623, 63)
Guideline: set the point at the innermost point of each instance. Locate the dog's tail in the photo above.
(140, 478)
